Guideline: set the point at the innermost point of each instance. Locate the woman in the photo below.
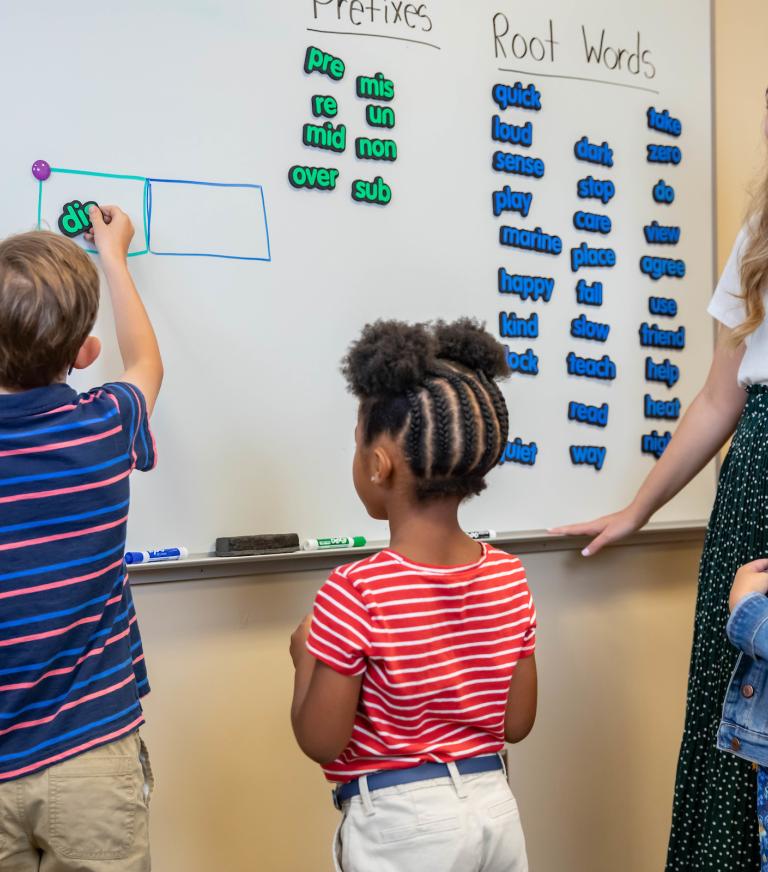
(713, 822)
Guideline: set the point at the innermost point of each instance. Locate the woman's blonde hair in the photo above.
(754, 264)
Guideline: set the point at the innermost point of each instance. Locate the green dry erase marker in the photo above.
(334, 542)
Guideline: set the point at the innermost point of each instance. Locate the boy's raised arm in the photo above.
(112, 232)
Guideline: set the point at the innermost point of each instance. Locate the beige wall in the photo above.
(594, 780)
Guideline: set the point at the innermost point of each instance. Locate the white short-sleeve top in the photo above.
(727, 306)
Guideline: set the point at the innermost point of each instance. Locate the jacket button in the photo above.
(747, 691)
(735, 744)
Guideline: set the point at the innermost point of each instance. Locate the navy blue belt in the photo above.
(422, 772)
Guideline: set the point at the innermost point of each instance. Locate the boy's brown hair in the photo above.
(49, 299)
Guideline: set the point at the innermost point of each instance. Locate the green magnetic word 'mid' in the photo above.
(326, 136)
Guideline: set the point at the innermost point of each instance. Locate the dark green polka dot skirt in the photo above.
(714, 825)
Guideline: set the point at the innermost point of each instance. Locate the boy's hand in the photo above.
(111, 232)
(751, 578)
(299, 640)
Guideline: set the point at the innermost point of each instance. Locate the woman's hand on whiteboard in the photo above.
(605, 530)
(111, 232)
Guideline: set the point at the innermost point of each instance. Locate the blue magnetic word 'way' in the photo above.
(588, 455)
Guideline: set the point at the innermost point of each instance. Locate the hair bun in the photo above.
(466, 341)
(389, 358)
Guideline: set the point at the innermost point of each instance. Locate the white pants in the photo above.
(460, 824)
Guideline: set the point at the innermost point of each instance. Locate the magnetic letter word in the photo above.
(654, 337)
(518, 164)
(377, 191)
(74, 218)
(592, 222)
(665, 372)
(375, 149)
(584, 256)
(588, 455)
(597, 416)
(516, 134)
(664, 154)
(596, 189)
(325, 136)
(530, 240)
(597, 154)
(589, 367)
(653, 443)
(509, 96)
(589, 295)
(324, 107)
(517, 451)
(663, 122)
(526, 287)
(318, 61)
(507, 200)
(661, 408)
(583, 328)
(659, 234)
(526, 363)
(376, 87)
(657, 267)
(662, 306)
(663, 193)
(380, 116)
(512, 326)
(313, 178)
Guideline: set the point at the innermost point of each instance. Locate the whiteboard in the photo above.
(256, 287)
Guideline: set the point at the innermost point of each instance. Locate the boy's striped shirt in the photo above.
(437, 648)
(71, 662)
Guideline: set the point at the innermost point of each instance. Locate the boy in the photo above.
(74, 774)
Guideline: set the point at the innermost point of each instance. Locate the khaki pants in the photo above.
(87, 814)
(466, 823)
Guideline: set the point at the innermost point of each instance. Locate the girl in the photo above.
(713, 824)
(417, 662)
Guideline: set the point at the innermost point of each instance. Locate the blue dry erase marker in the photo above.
(152, 556)
(482, 534)
(334, 542)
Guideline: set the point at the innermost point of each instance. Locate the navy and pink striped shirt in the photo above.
(71, 663)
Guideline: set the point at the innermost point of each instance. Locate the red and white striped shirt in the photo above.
(437, 648)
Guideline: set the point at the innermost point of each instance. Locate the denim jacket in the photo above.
(744, 725)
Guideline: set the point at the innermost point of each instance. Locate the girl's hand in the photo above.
(605, 530)
(299, 640)
(751, 578)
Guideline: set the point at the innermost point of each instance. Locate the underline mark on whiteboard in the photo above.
(375, 36)
(533, 74)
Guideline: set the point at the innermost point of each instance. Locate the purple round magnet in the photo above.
(41, 170)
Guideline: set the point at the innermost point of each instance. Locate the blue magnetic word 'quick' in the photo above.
(515, 134)
(597, 154)
(530, 240)
(584, 256)
(588, 455)
(517, 451)
(663, 122)
(518, 164)
(516, 96)
(590, 367)
(654, 443)
(665, 372)
(583, 328)
(661, 408)
(596, 416)
(655, 337)
(596, 189)
(526, 287)
(592, 222)
(660, 267)
(526, 363)
(663, 154)
(660, 234)
(663, 193)
(589, 295)
(512, 326)
(507, 200)
(665, 306)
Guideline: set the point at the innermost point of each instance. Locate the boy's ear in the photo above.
(89, 351)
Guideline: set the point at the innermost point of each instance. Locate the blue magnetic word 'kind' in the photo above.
(526, 363)
(516, 96)
(507, 200)
(597, 416)
(588, 455)
(665, 372)
(526, 287)
(517, 451)
(589, 367)
(655, 337)
(512, 326)
(654, 443)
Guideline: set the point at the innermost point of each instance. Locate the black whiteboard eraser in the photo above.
(267, 543)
